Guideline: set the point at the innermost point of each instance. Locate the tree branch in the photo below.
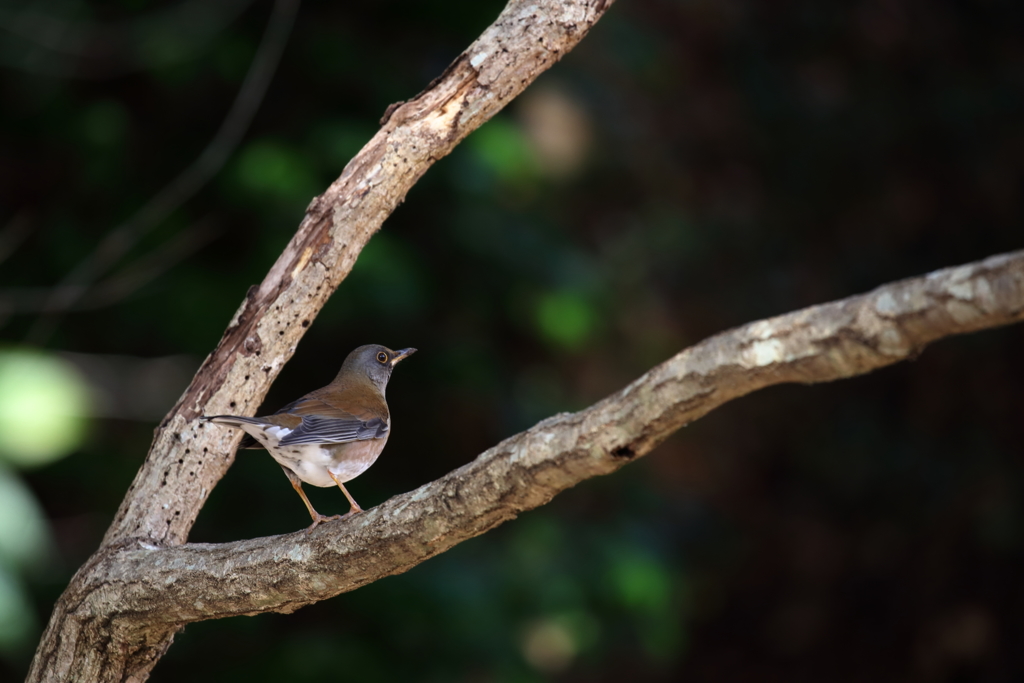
(165, 588)
(186, 461)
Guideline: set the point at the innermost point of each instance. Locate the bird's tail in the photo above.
(237, 421)
(232, 420)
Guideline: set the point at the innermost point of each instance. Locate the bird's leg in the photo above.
(297, 485)
(351, 500)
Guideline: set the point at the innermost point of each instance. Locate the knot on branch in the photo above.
(625, 452)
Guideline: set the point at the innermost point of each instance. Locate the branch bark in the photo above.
(120, 612)
(149, 591)
(185, 461)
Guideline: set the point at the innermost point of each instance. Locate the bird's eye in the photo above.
(382, 357)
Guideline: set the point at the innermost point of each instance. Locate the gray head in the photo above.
(374, 362)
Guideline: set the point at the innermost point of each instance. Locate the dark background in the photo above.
(691, 166)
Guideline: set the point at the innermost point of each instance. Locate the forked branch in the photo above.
(89, 637)
(164, 588)
(121, 610)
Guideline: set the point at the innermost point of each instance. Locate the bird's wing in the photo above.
(333, 430)
(326, 423)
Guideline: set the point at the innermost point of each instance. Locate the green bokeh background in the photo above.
(690, 167)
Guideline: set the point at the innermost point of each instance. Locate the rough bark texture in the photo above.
(86, 642)
(145, 592)
(120, 612)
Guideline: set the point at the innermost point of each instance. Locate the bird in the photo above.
(331, 435)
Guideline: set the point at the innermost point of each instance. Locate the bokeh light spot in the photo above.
(502, 147)
(641, 583)
(566, 319)
(548, 645)
(558, 130)
(24, 536)
(43, 403)
(271, 168)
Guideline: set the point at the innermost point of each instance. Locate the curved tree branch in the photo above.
(152, 591)
(120, 612)
(186, 461)
(166, 588)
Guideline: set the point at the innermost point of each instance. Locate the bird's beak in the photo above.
(401, 354)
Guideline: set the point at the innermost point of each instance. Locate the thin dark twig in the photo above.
(120, 240)
(121, 285)
(42, 41)
(151, 266)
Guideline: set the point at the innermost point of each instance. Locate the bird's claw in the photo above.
(321, 518)
(352, 512)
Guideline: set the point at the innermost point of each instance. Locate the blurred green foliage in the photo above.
(566, 319)
(503, 149)
(271, 172)
(723, 162)
(105, 124)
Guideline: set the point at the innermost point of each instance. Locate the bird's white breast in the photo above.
(312, 462)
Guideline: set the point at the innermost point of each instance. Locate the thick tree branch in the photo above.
(165, 588)
(186, 461)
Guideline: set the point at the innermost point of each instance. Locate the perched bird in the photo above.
(331, 435)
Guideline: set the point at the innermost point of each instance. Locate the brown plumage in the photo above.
(333, 434)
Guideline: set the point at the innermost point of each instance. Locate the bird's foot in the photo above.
(354, 511)
(321, 518)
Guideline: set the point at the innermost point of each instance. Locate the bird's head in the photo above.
(373, 362)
